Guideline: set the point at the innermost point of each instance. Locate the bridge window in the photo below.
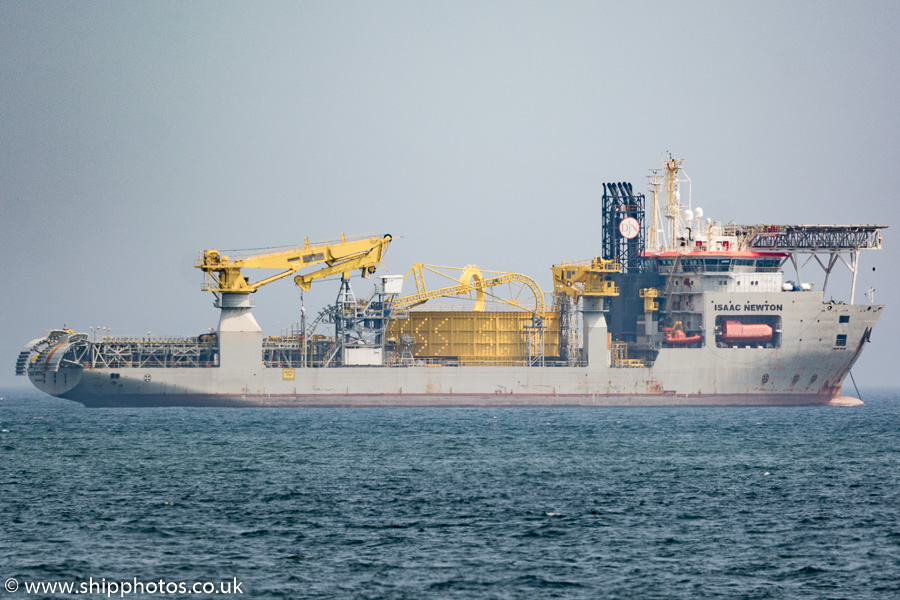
(717, 265)
(768, 264)
(691, 265)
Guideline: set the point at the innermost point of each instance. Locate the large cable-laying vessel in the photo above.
(680, 310)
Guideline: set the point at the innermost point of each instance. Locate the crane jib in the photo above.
(312, 257)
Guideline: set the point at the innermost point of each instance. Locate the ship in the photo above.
(674, 310)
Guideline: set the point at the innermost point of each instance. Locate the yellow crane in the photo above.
(589, 278)
(223, 274)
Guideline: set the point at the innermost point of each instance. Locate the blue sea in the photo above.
(421, 503)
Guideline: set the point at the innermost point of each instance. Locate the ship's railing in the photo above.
(287, 351)
(153, 352)
(291, 358)
(111, 352)
(455, 308)
(476, 362)
(139, 339)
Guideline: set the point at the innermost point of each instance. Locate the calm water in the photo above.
(457, 503)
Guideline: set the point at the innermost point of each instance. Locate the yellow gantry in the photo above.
(471, 279)
(223, 274)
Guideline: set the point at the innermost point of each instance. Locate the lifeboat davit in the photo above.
(680, 338)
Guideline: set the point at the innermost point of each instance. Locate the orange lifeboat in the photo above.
(680, 338)
(675, 336)
(737, 332)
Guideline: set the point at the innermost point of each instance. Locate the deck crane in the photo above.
(587, 278)
(224, 276)
(573, 280)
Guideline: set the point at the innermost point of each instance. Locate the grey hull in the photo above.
(819, 344)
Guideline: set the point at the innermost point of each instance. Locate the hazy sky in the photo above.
(135, 135)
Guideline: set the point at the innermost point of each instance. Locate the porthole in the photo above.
(765, 378)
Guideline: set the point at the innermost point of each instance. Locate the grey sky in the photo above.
(135, 135)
